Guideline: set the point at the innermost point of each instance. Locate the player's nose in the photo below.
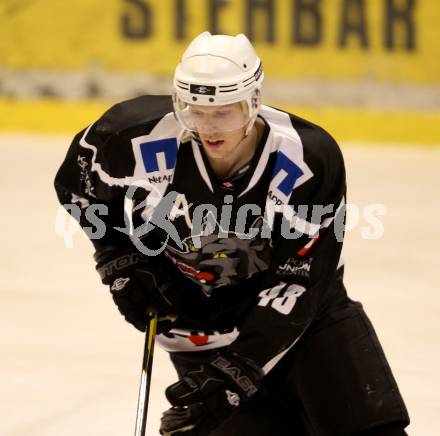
(210, 125)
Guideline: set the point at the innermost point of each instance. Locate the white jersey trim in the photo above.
(200, 164)
(183, 340)
(167, 127)
(283, 137)
(261, 166)
(287, 140)
(273, 362)
(106, 178)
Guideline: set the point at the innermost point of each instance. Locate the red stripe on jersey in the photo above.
(303, 251)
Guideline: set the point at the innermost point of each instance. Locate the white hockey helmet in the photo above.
(218, 70)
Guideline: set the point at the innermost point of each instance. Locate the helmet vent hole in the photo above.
(194, 99)
(211, 100)
(244, 66)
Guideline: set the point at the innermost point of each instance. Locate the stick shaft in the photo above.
(147, 366)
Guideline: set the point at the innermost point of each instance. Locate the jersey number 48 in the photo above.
(281, 297)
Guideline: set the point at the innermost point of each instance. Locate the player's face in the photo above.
(220, 128)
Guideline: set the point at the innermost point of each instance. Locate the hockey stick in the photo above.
(147, 366)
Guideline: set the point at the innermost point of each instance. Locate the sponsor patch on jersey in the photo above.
(285, 174)
(202, 89)
(296, 267)
(84, 176)
(159, 155)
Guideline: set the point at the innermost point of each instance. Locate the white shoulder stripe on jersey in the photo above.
(287, 140)
(95, 166)
(261, 166)
(167, 127)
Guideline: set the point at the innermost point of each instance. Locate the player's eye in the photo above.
(223, 114)
(197, 114)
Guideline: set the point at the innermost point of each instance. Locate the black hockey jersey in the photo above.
(256, 262)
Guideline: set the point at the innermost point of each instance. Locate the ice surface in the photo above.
(70, 365)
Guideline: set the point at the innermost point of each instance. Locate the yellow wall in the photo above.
(357, 125)
(76, 34)
(150, 35)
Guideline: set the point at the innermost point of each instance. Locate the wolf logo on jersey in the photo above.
(222, 260)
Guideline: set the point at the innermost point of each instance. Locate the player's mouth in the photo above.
(214, 143)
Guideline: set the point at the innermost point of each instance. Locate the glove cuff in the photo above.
(110, 262)
(240, 373)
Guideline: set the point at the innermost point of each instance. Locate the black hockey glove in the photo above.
(206, 397)
(135, 284)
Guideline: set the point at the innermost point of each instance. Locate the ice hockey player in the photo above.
(236, 214)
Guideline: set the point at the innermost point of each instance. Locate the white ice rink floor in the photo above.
(70, 365)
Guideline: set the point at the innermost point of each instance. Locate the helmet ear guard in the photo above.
(254, 105)
(218, 70)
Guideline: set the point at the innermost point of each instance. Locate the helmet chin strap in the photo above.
(247, 131)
